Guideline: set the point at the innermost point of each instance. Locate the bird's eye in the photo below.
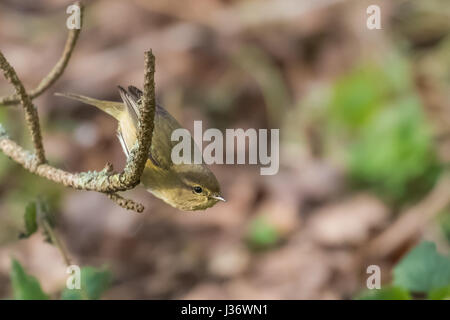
(198, 189)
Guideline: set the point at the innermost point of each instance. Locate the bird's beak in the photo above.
(219, 198)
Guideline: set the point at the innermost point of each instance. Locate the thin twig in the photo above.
(57, 242)
(56, 71)
(31, 115)
(125, 203)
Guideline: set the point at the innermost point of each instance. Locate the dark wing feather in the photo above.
(131, 104)
(135, 92)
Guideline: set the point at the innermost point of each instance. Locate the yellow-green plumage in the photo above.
(176, 184)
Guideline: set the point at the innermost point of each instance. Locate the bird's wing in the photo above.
(165, 124)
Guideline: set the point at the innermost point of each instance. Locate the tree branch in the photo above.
(31, 115)
(56, 71)
(105, 181)
(139, 156)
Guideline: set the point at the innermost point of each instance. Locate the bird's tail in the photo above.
(112, 108)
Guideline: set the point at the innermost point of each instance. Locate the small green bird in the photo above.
(187, 187)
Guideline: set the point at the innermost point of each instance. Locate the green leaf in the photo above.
(25, 287)
(439, 294)
(262, 235)
(30, 220)
(388, 293)
(394, 154)
(93, 283)
(358, 96)
(423, 269)
(366, 90)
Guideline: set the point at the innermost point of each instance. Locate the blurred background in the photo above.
(364, 118)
